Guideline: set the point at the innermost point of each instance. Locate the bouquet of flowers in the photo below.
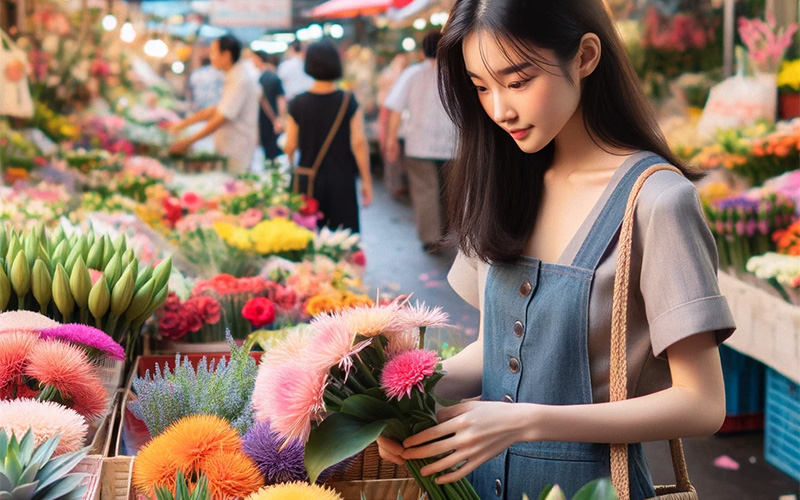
(197, 319)
(680, 42)
(27, 206)
(359, 374)
(278, 236)
(743, 225)
(779, 270)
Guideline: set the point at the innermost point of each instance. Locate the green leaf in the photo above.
(60, 466)
(25, 491)
(6, 496)
(67, 484)
(600, 489)
(338, 437)
(45, 450)
(368, 408)
(545, 492)
(3, 446)
(13, 467)
(26, 447)
(181, 491)
(29, 474)
(163, 493)
(5, 483)
(201, 489)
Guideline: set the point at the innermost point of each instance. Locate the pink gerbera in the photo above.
(66, 368)
(47, 419)
(28, 321)
(406, 371)
(96, 341)
(14, 351)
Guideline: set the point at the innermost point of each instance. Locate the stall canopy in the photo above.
(350, 8)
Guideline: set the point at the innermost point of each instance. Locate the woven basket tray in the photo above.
(368, 465)
(117, 478)
(92, 466)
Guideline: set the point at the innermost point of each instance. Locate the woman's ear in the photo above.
(588, 54)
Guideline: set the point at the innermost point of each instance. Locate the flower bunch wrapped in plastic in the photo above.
(270, 237)
(765, 42)
(357, 375)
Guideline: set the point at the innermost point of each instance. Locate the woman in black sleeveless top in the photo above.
(311, 116)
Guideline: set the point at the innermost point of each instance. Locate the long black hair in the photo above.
(494, 189)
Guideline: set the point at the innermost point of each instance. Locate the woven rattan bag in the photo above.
(683, 489)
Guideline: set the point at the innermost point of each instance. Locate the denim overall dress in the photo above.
(536, 319)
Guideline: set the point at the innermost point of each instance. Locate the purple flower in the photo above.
(263, 445)
(86, 336)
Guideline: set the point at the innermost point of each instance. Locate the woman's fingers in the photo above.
(390, 450)
(429, 450)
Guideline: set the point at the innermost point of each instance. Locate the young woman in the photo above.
(311, 117)
(554, 131)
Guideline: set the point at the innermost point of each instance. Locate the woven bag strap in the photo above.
(619, 363)
(328, 140)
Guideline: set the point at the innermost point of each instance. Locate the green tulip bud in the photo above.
(60, 255)
(5, 290)
(95, 258)
(99, 298)
(145, 274)
(3, 241)
(140, 302)
(162, 272)
(62, 295)
(43, 256)
(120, 243)
(122, 294)
(77, 251)
(156, 302)
(80, 282)
(42, 284)
(113, 269)
(41, 235)
(57, 237)
(21, 276)
(31, 248)
(89, 239)
(13, 249)
(127, 257)
(108, 250)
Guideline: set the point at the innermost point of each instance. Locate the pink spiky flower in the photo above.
(47, 419)
(406, 371)
(67, 369)
(96, 342)
(422, 316)
(370, 321)
(14, 351)
(335, 338)
(27, 321)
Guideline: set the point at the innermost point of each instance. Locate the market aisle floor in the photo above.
(396, 263)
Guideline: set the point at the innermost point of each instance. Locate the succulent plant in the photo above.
(200, 491)
(28, 472)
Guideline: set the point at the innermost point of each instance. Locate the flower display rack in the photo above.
(782, 429)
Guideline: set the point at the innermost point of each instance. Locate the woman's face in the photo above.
(530, 103)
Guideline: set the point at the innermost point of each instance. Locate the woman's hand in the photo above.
(390, 450)
(470, 433)
(366, 193)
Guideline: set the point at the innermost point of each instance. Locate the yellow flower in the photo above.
(295, 491)
(280, 235)
(353, 300)
(323, 304)
(789, 76)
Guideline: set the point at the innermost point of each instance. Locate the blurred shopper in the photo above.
(292, 72)
(205, 85)
(325, 116)
(430, 139)
(234, 121)
(272, 116)
(393, 178)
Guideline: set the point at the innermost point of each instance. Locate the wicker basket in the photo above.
(381, 489)
(92, 466)
(377, 478)
(117, 478)
(368, 465)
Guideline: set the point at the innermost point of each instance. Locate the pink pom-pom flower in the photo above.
(406, 371)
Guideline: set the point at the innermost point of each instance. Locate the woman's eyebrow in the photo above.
(510, 70)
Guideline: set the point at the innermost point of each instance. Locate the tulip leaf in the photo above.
(338, 437)
(368, 408)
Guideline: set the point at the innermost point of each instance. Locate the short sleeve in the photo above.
(352, 107)
(464, 279)
(233, 98)
(678, 279)
(293, 108)
(397, 100)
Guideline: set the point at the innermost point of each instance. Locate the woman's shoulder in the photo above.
(667, 193)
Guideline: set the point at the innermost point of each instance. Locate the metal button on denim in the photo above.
(508, 399)
(525, 289)
(519, 328)
(498, 487)
(513, 365)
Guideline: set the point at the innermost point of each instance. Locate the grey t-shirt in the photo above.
(673, 276)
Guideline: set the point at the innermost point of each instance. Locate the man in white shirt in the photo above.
(292, 72)
(234, 121)
(430, 138)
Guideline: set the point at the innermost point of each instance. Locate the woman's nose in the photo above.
(503, 112)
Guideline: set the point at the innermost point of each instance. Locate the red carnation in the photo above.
(310, 206)
(208, 309)
(259, 311)
(172, 209)
(170, 326)
(359, 258)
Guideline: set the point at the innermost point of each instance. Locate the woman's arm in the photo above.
(292, 131)
(479, 430)
(358, 143)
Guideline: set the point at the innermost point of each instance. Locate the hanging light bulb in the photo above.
(109, 22)
(156, 48)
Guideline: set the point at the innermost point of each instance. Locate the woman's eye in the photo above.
(480, 90)
(519, 84)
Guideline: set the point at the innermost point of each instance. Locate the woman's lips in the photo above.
(520, 133)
